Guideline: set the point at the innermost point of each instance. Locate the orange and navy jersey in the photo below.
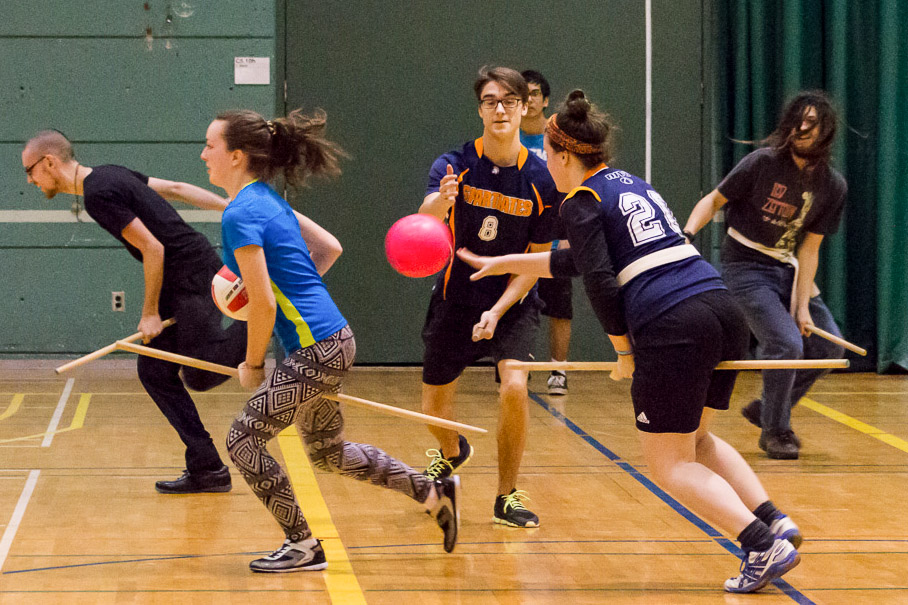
(499, 210)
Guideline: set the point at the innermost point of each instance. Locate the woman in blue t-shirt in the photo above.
(671, 321)
(281, 256)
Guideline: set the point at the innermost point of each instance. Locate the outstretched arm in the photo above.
(704, 211)
(535, 264)
(189, 194)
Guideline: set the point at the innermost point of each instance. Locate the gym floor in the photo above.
(82, 523)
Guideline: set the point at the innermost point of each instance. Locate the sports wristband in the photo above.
(688, 235)
(624, 352)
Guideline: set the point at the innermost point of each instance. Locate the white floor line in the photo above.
(9, 535)
(58, 413)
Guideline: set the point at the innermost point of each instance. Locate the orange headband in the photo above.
(567, 141)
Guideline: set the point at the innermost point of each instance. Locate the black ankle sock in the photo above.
(767, 512)
(756, 537)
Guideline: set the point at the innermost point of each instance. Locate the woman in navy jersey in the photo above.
(671, 321)
(281, 256)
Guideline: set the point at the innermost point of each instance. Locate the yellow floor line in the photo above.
(340, 581)
(78, 422)
(81, 411)
(857, 425)
(13, 406)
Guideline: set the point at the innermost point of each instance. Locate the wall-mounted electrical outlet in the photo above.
(118, 301)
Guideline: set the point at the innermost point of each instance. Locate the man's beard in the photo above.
(811, 154)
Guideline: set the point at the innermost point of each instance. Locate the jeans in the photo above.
(764, 293)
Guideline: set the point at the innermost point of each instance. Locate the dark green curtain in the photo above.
(765, 51)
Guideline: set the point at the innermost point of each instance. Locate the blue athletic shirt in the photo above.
(258, 216)
(498, 210)
(612, 220)
(533, 142)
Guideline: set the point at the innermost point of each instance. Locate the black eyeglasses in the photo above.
(28, 171)
(492, 103)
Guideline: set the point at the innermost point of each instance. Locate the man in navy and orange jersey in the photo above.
(498, 198)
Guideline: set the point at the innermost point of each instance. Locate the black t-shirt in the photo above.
(774, 203)
(115, 196)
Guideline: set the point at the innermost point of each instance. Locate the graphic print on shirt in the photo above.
(790, 237)
(775, 210)
(495, 200)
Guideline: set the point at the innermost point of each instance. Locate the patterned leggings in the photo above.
(292, 395)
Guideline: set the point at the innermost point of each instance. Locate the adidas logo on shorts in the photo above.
(642, 418)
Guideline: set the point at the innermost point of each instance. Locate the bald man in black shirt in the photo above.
(178, 264)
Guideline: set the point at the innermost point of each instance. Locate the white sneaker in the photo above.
(293, 556)
(784, 528)
(557, 383)
(760, 568)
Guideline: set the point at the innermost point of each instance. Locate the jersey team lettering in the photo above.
(492, 199)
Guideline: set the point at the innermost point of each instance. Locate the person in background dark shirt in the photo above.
(555, 293)
(178, 264)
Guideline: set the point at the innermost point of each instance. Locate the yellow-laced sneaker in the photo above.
(441, 467)
(510, 511)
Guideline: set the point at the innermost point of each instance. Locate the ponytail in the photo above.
(294, 147)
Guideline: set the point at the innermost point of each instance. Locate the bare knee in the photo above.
(667, 454)
(513, 390)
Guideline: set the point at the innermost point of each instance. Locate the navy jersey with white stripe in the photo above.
(636, 222)
(498, 210)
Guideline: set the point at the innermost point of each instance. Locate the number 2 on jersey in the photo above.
(643, 224)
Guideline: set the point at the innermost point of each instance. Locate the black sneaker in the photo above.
(780, 445)
(557, 383)
(293, 556)
(510, 511)
(197, 482)
(447, 511)
(751, 412)
(441, 467)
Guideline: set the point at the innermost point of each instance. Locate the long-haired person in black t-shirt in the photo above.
(671, 321)
(178, 264)
(780, 202)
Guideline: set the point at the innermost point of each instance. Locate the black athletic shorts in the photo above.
(675, 355)
(448, 337)
(555, 294)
